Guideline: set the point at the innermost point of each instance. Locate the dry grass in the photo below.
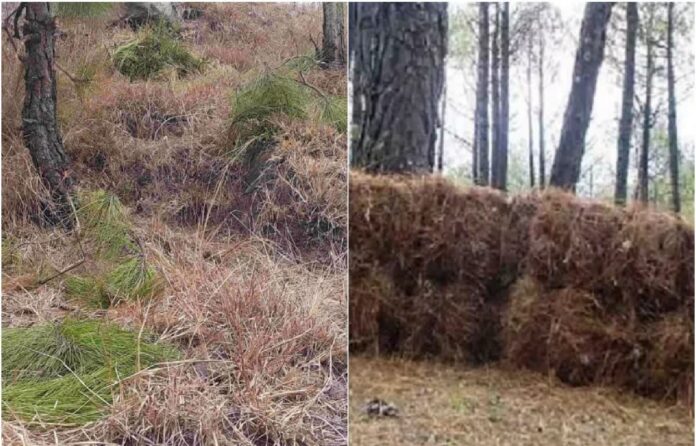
(441, 405)
(253, 278)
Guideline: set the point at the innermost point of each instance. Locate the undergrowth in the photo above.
(66, 373)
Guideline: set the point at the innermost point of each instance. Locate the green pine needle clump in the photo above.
(66, 373)
(333, 110)
(131, 279)
(83, 9)
(122, 272)
(257, 102)
(154, 50)
(303, 63)
(105, 221)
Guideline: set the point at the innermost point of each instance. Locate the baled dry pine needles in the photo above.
(546, 281)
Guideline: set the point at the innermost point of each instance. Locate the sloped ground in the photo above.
(250, 280)
(445, 405)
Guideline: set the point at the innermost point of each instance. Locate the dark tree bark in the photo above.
(481, 120)
(542, 148)
(39, 119)
(565, 171)
(626, 122)
(647, 124)
(495, 102)
(504, 95)
(334, 50)
(672, 115)
(530, 128)
(400, 51)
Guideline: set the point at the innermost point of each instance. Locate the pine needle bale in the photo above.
(428, 227)
(652, 262)
(570, 240)
(445, 321)
(151, 52)
(568, 333)
(669, 363)
(515, 233)
(64, 373)
(369, 288)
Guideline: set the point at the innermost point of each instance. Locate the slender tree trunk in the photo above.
(39, 119)
(542, 149)
(626, 122)
(357, 82)
(530, 128)
(334, 51)
(482, 97)
(565, 171)
(400, 52)
(495, 102)
(643, 196)
(504, 95)
(672, 116)
(443, 108)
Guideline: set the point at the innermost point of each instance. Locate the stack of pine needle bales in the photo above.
(546, 281)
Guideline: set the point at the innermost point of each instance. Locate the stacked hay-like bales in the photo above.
(591, 293)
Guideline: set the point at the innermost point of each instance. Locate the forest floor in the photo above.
(446, 405)
(247, 249)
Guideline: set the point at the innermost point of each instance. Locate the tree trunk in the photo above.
(482, 97)
(504, 95)
(542, 149)
(647, 124)
(39, 119)
(530, 128)
(443, 108)
(400, 53)
(565, 171)
(672, 116)
(495, 102)
(626, 122)
(139, 14)
(334, 51)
